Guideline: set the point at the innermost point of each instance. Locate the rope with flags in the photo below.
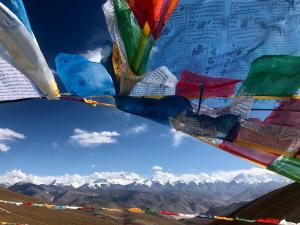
(152, 212)
(10, 223)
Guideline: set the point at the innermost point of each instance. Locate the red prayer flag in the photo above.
(287, 114)
(168, 213)
(27, 203)
(260, 157)
(268, 220)
(154, 12)
(272, 138)
(86, 209)
(190, 83)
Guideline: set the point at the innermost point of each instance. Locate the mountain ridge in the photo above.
(160, 178)
(189, 199)
(164, 191)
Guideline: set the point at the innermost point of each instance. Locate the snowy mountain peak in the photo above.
(160, 177)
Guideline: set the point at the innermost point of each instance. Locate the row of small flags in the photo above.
(4, 211)
(150, 212)
(9, 223)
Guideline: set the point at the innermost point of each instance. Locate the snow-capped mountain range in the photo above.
(192, 193)
(107, 179)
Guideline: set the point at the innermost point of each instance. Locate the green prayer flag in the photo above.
(245, 220)
(142, 54)
(273, 76)
(151, 212)
(137, 45)
(288, 167)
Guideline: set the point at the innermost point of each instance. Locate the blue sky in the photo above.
(47, 146)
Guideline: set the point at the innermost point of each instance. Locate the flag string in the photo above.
(177, 216)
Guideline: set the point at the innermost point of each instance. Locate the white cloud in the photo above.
(4, 148)
(93, 139)
(96, 55)
(138, 129)
(251, 176)
(93, 166)
(157, 168)
(178, 137)
(8, 135)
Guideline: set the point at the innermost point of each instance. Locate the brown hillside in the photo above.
(283, 203)
(44, 216)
